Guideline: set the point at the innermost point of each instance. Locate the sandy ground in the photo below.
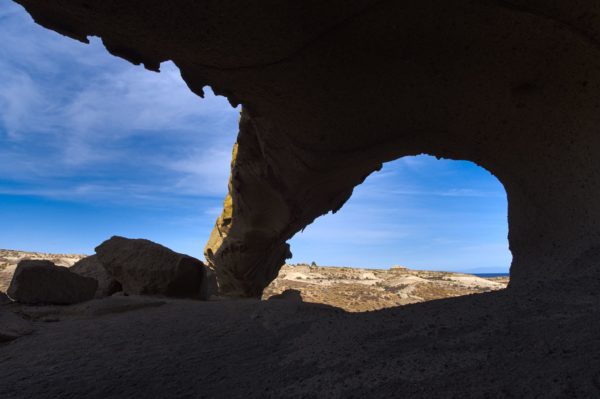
(503, 344)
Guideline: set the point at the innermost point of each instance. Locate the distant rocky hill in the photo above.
(352, 289)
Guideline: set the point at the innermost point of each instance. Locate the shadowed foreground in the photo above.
(485, 346)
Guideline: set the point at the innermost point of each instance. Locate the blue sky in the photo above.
(92, 146)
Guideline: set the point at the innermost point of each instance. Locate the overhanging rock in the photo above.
(331, 90)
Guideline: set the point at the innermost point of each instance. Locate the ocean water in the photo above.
(488, 275)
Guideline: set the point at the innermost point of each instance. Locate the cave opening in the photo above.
(416, 217)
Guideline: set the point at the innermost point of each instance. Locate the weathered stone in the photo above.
(146, 268)
(13, 326)
(92, 267)
(42, 282)
(4, 299)
(223, 223)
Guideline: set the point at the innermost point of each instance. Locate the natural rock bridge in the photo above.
(331, 90)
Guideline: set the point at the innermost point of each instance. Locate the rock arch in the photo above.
(331, 90)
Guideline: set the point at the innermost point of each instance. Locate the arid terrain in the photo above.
(352, 289)
(358, 290)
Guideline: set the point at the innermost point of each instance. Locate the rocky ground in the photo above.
(542, 342)
(494, 345)
(352, 289)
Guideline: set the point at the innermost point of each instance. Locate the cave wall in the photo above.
(331, 90)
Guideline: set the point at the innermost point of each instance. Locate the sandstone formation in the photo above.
(91, 267)
(42, 282)
(331, 90)
(223, 223)
(143, 267)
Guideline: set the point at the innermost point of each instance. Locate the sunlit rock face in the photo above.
(330, 90)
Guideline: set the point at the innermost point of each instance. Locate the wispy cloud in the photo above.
(68, 110)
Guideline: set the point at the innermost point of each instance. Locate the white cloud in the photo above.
(204, 171)
(19, 100)
(69, 110)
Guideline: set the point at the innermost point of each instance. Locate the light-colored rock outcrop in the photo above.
(223, 223)
(42, 282)
(143, 267)
(91, 267)
(331, 90)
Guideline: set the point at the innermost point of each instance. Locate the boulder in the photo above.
(4, 299)
(146, 268)
(42, 282)
(13, 326)
(92, 267)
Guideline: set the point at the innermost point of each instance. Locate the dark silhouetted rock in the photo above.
(146, 268)
(13, 326)
(4, 299)
(92, 267)
(42, 282)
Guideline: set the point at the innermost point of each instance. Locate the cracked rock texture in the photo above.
(331, 90)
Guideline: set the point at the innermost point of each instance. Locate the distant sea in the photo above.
(488, 275)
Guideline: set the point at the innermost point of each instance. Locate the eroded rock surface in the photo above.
(13, 326)
(331, 90)
(92, 267)
(42, 282)
(143, 267)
